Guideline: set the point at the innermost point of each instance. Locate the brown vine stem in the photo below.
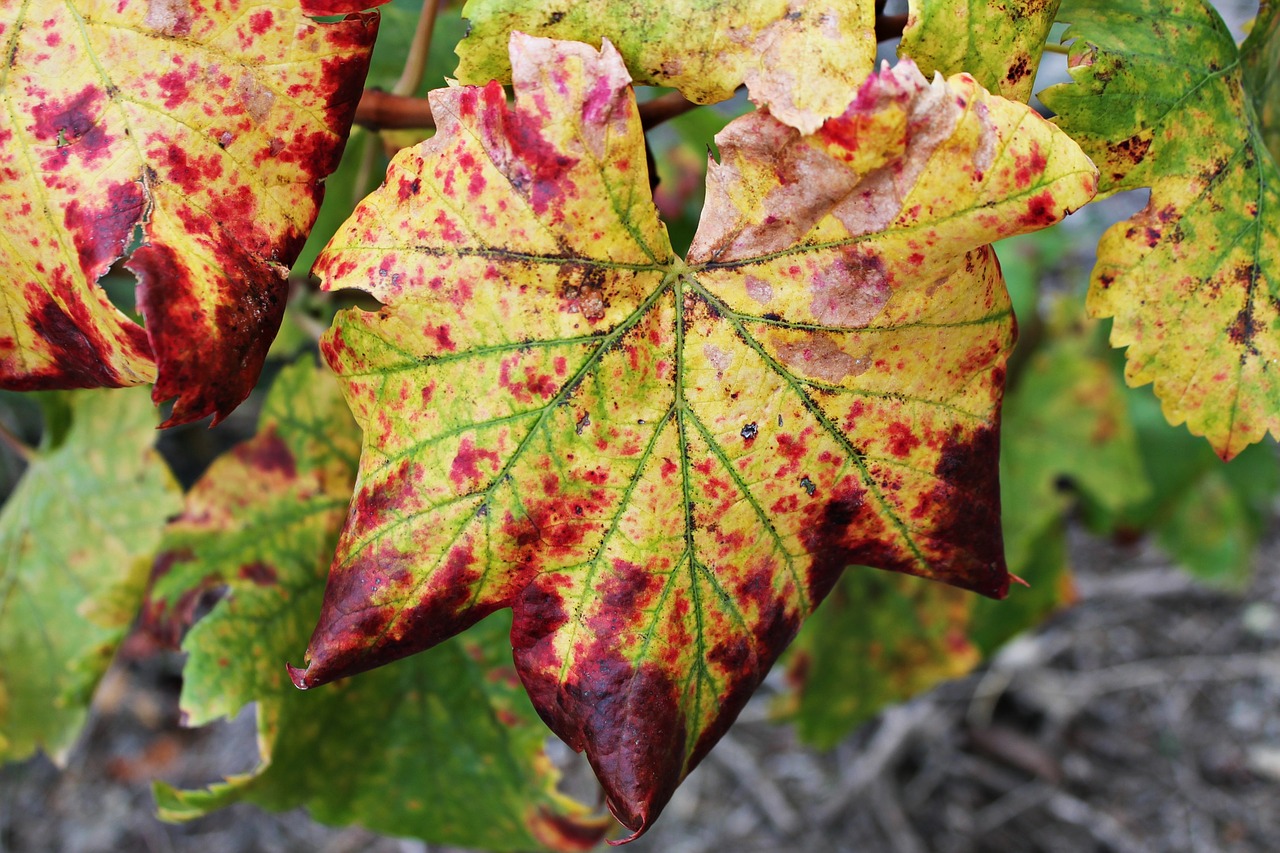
(379, 110)
(890, 26)
(663, 108)
(399, 109)
(10, 439)
(415, 65)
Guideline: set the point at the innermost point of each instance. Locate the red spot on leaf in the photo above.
(792, 449)
(173, 88)
(901, 439)
(66, 122)
(268, 454)
(441, 335)
(448, 231)
(259, 573)
(1030, 167)
(1042, 211)
(193, 173)
(465, 471)
(261, 21)
(533, 384)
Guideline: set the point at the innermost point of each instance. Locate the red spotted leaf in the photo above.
(203, 132)
(663, 465)
(338, 7)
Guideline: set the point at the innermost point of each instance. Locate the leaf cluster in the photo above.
(599, 421)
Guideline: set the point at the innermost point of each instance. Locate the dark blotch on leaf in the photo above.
(630, 716)
(965, 508)
(218, 375)
(258, 573)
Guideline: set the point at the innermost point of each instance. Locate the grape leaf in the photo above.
(76, 536)
(998, 43)
(433, 747)
(1193, 281)
(663, 465)
(203, 133)
(798, 58)
(1214, 530)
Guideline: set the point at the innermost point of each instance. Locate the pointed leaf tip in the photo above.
(298, 676)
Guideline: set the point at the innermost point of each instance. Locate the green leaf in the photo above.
(434, 747)
(662, 465)
(1066, 430)
(1066, 420)
(76, 537)
(877, 639)
(1260, 56)
(1193, 280)
(998, 43)
(1214, 530)
(799, 58)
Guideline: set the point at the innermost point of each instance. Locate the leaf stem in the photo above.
(364, 171)
(415, 65)
(663, 108)
(890, 26)
(21, 449)
(1061, 49)
(381, 110)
